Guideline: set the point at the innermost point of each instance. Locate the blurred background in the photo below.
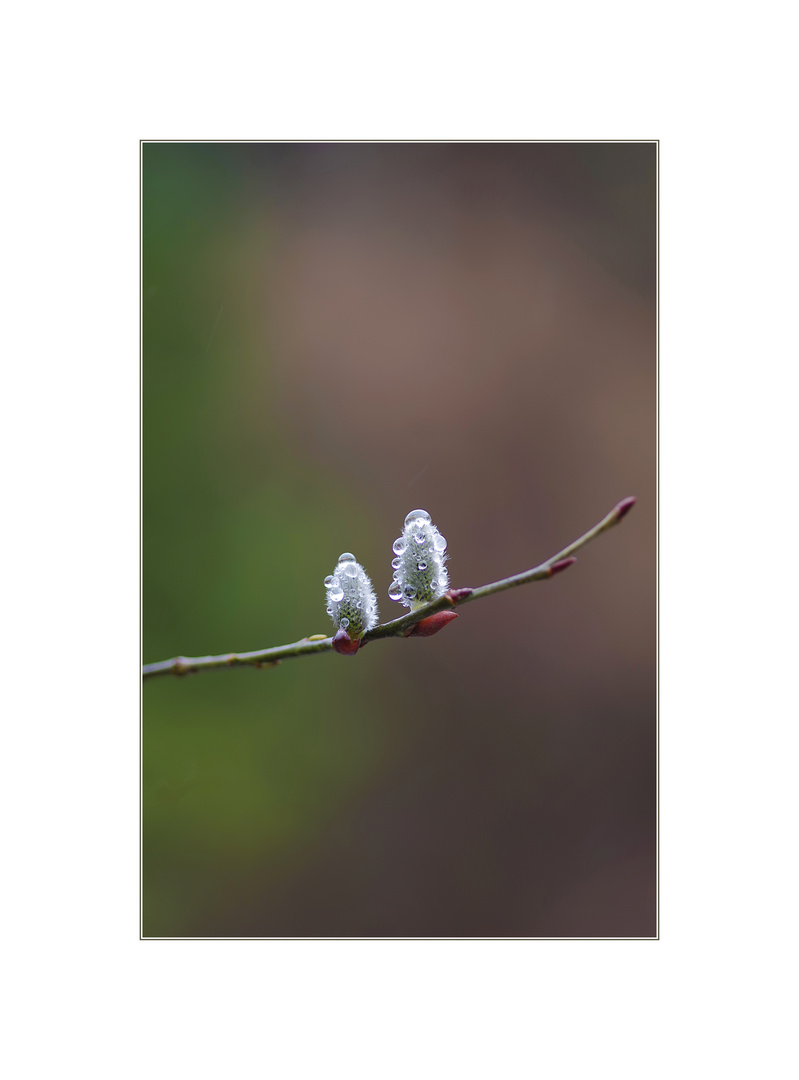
(333, 335)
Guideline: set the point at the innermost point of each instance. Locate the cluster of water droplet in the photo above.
(419, 572)
(351, 600)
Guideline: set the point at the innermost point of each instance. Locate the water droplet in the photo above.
(396, 563)
(440, 543)
(328, 581)
(433, 585)
(418, 537)
(350, 570)
(398, 546)
(421, 566)
(346, 556)
(410, 591)
(414, 514)
(395, 592)
(337, 593)
(329, 609)
(344, 624)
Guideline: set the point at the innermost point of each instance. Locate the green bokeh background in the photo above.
(238, 773)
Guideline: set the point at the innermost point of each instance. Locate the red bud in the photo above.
(625, 506)
(458, 594)
(564, 564)
(432, 624)
(344, 644)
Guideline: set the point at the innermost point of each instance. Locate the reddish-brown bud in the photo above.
(625, 506)
(432, 624)
(563, 564)
(459, 594)
(345, 645)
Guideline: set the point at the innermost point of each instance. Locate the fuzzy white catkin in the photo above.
(351, 600)
(419, 572)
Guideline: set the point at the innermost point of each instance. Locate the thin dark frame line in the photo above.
(293, 938)
(657, 538)
(403, 142)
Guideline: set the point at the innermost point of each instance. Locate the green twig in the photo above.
(184, 665)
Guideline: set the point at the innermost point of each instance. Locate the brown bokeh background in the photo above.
(335, 334)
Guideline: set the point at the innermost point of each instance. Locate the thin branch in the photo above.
(402, 627)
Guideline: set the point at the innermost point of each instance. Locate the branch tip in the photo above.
(624, 507)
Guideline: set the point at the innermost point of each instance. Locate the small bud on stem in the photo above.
(563, 564)
(344, 644)
(432, 624)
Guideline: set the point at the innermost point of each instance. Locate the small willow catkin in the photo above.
(351, 600)
(419, 572)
